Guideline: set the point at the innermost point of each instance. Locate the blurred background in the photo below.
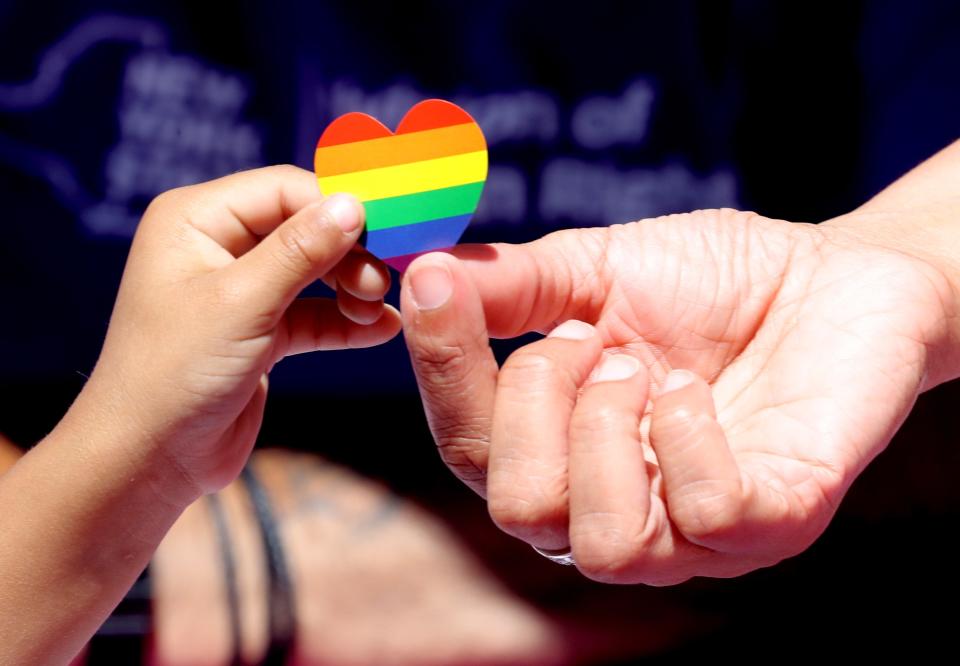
(595, 113)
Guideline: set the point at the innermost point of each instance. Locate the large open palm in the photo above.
(812, 344)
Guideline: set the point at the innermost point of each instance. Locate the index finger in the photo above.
(238, 210)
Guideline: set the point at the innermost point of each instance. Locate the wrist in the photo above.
(90, 504)
(122, 448)
(931, 243)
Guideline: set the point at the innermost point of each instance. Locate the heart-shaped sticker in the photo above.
(420, 185)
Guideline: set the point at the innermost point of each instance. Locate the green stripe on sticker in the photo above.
(422, 206)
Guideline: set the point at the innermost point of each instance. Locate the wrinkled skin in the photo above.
(809, 345)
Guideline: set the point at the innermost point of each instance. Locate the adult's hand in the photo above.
(710, 384)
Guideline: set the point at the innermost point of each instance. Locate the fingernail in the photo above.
(345, 211)
(431, 287)
(573, 330)
(617, 368)
(677, 379)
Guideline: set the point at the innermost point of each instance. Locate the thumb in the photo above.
(532, 287)
(303, 248)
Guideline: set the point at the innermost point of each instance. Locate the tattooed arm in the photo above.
(373, 575)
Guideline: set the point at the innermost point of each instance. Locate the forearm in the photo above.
(919, 215)
(191, 602)
(83, 512)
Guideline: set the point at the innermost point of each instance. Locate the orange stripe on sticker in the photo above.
(398, 149)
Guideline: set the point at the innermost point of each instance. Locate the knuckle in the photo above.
(294, 247)
(528, 361)
(168, 198)
(324, 222)
(462, 442)
(525, 515)
(612, 553)
(709, 510)
(458, 431)
(463, 463)
(528, 369)
(440, 365)
(164, 208)
(516, 514)
(676, 423)
(594, 421)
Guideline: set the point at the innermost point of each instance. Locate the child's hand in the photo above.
(208, 304)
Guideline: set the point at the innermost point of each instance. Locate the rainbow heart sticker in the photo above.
(419, 186)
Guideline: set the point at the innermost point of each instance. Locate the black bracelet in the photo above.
(229, 573)
(282, 620)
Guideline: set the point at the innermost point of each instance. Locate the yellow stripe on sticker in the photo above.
(411, 178)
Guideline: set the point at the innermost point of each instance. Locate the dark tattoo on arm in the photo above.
(317, 486)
